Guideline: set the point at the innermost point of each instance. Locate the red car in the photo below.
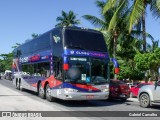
(119, 89)
(134, 89)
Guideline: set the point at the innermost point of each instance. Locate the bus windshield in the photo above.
(87, 70)
(83, 39)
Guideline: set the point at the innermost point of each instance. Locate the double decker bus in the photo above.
(68, 63)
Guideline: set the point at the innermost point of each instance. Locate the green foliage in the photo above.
(67, 19)
(148, 61)
(15, 46)
(118, 16)
(136, 12)
(6, 62)
(128, 71)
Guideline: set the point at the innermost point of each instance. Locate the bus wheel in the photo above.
(48, 94)
(41, 93)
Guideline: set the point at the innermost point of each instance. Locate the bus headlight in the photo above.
(105, 90)
(70, 90)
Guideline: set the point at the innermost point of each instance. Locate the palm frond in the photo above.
(100, 4)
(137, 8)
(138, 34)
(94, 20)
(59, 25)
(67, 19)
(155, 8)
(158, 4)
(110, 4)
(114, 19)
(59, 19)
(64, 14)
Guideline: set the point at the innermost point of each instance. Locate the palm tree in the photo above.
(34, 35)
(15, 46)
(67, 19)
(138, 13)
(103, 24)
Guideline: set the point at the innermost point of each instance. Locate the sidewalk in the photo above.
(133, 99)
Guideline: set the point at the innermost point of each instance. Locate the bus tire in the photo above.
(48, 94)
(41, 92)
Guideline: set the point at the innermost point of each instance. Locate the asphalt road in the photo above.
(12, 99)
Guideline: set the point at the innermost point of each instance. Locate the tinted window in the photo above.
(37, 69)
(99, 68)
(57, 42)
(83, 39)
(116, 82)
(40, 43)
(57, 67)
(140, 85)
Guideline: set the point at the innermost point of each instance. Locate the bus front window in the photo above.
(85, 70)
(98, 71)
(78, 70)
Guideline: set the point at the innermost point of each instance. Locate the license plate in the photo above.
(122, 96)
(90, 96)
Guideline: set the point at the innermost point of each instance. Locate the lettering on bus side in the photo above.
(34, 58)
(82, 53)
(24, 59)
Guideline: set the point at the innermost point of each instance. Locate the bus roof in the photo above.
(48, 36)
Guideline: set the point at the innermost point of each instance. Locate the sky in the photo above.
(19, 19)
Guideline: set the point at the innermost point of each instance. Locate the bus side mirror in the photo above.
(116, 70)
(65, 66)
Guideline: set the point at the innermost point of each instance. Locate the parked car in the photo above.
(8, 75)
(118, 89)
(130, 84)
(149, 94)
(134, 89)
(1, 75)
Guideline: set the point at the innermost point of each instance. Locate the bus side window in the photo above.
(44, 69)
(58, 69)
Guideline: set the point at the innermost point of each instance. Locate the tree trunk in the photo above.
(144, 30)
(115, 44)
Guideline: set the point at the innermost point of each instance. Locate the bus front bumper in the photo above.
(86, 96)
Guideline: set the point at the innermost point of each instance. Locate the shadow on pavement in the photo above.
(91, 103)
(81, 103)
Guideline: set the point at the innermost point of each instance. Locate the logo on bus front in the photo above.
(56, 39)
(72, 52)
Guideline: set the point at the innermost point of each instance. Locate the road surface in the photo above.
(12, 99)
